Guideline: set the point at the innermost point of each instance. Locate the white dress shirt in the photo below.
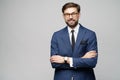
(76, 30)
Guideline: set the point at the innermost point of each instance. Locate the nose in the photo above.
(71, 16)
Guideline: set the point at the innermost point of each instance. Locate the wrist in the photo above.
(65, 59)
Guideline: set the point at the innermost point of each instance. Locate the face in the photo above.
(71, 17)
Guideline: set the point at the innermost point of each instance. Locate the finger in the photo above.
(94, 55)
(92, 51)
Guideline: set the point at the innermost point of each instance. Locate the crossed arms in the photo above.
(60, 59)
(88, 60)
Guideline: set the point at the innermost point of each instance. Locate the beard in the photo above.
(72, 23)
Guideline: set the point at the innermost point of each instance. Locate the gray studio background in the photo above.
(26, 27)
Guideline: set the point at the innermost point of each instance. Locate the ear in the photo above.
(63, 16)
(79, 15)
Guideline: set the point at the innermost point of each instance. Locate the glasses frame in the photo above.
(73, 14)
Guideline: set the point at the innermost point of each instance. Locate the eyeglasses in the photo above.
(72, 14)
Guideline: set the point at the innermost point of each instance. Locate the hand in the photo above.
(57, 59)
(90, 54)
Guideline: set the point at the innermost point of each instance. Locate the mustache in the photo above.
(71, 20)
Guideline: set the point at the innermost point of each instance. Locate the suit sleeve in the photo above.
(55, 51)
(87, 62)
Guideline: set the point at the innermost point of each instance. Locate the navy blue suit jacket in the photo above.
(82, 67)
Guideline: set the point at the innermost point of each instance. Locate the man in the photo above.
(73, 48)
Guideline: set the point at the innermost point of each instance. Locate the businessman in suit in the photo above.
(74, 48)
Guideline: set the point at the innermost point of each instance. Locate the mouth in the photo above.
(71, 21)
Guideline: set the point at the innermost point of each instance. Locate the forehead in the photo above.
(70, 10)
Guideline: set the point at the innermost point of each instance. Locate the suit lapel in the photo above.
(79, 38)
(66, 40)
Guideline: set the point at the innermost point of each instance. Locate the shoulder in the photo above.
(61, 31)
(86, 30)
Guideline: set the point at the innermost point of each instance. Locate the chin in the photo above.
(72, 25)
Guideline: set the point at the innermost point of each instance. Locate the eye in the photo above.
(72, 14)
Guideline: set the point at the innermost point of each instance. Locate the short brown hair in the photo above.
(69, 5)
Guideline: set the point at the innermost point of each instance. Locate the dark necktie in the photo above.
(73, 39)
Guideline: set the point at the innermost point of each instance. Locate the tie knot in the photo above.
(72, 31)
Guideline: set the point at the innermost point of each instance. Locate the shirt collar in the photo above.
(75, 29)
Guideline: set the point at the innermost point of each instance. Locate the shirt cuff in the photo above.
(71, 62)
